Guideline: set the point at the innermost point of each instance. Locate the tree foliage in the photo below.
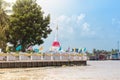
(4, 24)
(28, 25)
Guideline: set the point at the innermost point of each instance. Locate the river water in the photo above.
(95, 70)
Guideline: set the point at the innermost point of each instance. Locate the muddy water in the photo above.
(95, 70)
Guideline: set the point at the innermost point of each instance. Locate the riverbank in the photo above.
(95, 70)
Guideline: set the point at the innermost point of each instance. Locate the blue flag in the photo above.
(84, 49)
(18, 48)
(36, 50)
(60, 48)
(80, 50)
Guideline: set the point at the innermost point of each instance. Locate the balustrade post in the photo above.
(79, 57)
(68, 56)
(31, 57)
(85, 57)
(7, 57)
(51, 56)
(60, 56)
(19, 57)
(74, 56)
(42, 56)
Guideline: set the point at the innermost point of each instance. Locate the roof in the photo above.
(56, 44)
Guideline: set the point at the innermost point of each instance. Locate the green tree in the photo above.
(28, 25)
(4, 24)
(113, 51)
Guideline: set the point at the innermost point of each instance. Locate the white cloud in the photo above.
(65, 24)
(80, 17)
(71, 28)
(86, 31)
(62, 19)
(86, 27)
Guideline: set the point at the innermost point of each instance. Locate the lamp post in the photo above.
(118, 50)
(118, 46)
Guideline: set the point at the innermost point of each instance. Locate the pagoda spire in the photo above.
(55, 44)
(56, 34)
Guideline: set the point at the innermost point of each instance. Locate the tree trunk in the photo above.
(23, 48)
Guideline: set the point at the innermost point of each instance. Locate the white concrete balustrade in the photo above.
(42, 56)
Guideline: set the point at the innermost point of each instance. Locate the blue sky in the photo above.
(83, 23)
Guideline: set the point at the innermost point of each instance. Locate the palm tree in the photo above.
(4, 24)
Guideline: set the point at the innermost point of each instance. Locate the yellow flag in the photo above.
(7, 48)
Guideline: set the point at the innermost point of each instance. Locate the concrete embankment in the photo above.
(28, 64)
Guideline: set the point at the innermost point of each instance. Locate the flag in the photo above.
(60, 48)
(73, 49)
(30, 48)
(18, 48)
(68, 49)
(84, 49)
(36, 50)
(80, 50)
(41, 48)
(7, 48)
